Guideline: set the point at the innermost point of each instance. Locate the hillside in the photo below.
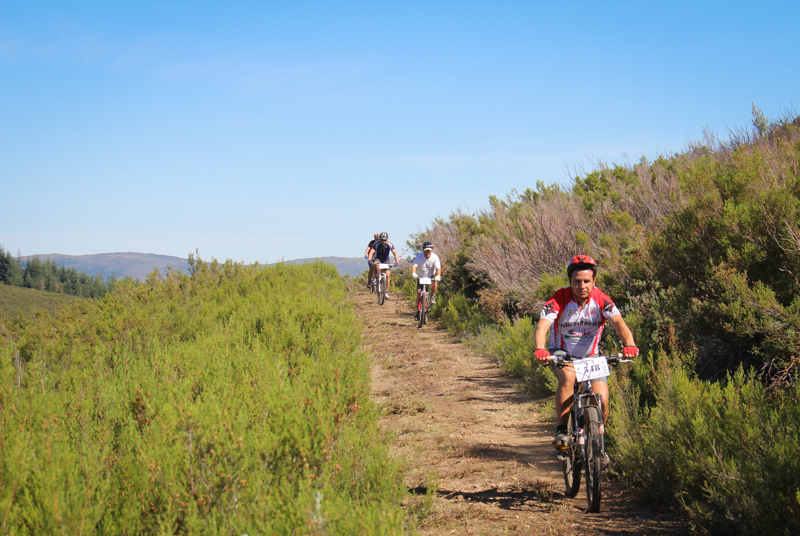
(352, 266)
(14, 299)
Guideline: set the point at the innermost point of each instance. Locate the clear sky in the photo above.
(256, 131)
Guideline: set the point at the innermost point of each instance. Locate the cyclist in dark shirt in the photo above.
(380, 252)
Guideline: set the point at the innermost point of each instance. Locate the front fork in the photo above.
(595, 400)
(419, 297)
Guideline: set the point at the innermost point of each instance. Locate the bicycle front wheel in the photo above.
(572, 461)
(381, 289)
(421, 310)
(594, 457)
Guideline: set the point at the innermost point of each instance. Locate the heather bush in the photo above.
(728, 452)
(458, 315)
(234, 400)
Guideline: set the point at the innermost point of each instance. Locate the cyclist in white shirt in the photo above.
(427, 264)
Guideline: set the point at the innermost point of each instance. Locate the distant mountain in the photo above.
(138, 265)
(135, 265)
(346, 265)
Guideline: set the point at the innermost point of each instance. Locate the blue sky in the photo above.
(256, 131)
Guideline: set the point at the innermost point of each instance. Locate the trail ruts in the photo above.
(463, 427)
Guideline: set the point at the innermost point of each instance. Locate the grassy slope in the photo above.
(15, 299)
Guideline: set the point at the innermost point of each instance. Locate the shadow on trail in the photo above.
(539, 496)
(538, 455)
(541, 492)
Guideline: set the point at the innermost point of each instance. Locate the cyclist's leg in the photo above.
(600, 386)
(564, 393)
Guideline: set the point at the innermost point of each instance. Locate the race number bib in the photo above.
(590, 368)
(424, 280)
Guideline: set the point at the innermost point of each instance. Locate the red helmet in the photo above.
(581, 262)
(375, 235)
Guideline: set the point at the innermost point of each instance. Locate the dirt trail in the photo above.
(454, 414)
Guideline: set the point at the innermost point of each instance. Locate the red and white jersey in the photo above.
(577, 330)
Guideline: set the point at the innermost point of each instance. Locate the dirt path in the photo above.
(470, 433)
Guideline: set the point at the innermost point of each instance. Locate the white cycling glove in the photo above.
(414, 275)
(438, 278)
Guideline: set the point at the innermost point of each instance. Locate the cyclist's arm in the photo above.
(540, 335)
(370, 254)
(622, 329)
(414, 268)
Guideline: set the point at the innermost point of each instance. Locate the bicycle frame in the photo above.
(423, 301)
(379, 282)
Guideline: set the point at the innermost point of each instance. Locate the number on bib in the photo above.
(590, 368)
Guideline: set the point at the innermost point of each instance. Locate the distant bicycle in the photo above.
(586, 432)
(379, 282)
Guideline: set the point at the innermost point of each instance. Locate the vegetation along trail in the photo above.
(472, 436)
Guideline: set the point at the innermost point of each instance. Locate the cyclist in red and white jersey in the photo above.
(577, 315)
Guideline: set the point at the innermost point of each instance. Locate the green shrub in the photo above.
(457, 315)
(728, 452)
(233, 401)
(409, 290)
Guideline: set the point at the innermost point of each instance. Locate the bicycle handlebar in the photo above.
(561, 360)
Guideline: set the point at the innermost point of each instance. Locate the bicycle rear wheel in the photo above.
(594, 457)
(381, 288)
(572, 461)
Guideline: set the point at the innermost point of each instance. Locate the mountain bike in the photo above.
(423, 301)
(380, 282)
(373, 280)
(586, 431)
